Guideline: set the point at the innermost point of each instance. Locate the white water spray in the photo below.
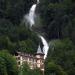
(30, 17)
(45, 46)
(38, 1)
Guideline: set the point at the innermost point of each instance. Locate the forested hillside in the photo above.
(56, 22)
(58, 18)
(13, 33)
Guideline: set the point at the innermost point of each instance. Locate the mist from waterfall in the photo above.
(45, 46)
(30, 17)
(38, 1)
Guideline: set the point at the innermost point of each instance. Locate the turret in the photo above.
(40, 58)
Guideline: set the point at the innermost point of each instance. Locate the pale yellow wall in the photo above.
(37, 62)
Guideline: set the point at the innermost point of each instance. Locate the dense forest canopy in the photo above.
(58, 18)
(55, 20)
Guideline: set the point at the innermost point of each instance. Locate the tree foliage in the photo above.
(53, 69)
(62, 52)
(57, 18)
(25, 70)
(8, 65)
(56, 21)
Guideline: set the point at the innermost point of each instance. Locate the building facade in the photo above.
(33, 60)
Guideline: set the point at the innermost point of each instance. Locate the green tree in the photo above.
(3, 70)
(62, 52)
(24, 69)
(57, 16)
(9, 64)
(53, 69)
(36, 72)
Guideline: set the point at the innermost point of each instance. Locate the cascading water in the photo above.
(30, 17)
(38, 1)
(45, 46)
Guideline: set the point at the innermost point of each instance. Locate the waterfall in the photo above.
(38, 1)
(45, 46)
(30, 17)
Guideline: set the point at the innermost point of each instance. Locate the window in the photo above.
(19, 63)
